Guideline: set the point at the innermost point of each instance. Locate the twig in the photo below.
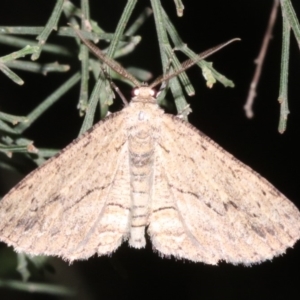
(260, 60)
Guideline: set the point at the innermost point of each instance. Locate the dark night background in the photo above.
(218, 112)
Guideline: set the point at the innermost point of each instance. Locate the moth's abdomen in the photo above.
(141, 157)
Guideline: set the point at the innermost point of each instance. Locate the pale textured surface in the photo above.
(138, 168)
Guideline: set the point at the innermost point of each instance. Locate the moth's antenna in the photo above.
(110, 62)
(190, 62)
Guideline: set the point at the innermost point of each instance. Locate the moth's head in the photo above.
(144, 92)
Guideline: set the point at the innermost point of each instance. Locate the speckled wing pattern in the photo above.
(209, 206)
(71, 206)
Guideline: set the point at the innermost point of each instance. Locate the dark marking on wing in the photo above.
(270, 231)
(118, 205)
(259, 231)
(163, 208)
(233, 204)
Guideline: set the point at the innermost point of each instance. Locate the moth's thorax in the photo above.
(143, 114)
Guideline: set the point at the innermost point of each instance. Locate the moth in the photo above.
(142, 170)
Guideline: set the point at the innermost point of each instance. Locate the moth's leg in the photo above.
(164, 86)
(113, 85)
(184, 112)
